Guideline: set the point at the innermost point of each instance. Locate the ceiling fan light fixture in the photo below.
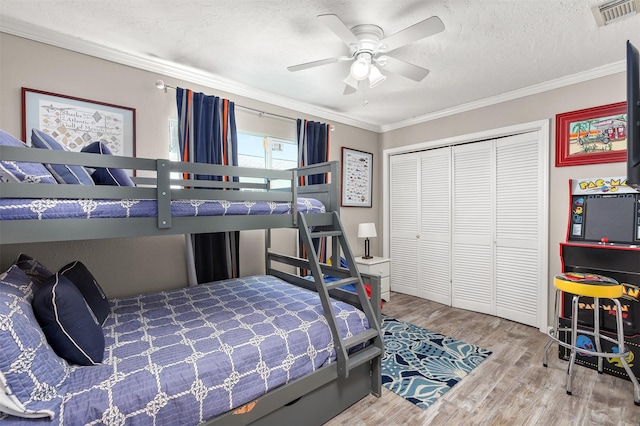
(350, 81)
(375, 77)
(361, 67)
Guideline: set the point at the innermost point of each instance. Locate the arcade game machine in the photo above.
(603, 237)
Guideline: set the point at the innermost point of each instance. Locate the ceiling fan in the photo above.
(369, 49)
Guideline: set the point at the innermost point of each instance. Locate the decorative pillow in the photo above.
(34, 269)
(107, 175)
(16, 283)
(80, 276)
(69, 324)
(63, 173)
(20, 171)
(32, 376)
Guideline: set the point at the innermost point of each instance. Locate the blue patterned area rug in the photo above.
(421, 365)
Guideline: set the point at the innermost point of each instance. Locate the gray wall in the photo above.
(126, 266)
(543, 106)
(129, 266)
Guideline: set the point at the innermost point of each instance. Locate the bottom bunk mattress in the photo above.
(184, 356)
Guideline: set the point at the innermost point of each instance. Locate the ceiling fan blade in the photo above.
(338, 27)
(403, 68)
(426, 28)
(321, 62)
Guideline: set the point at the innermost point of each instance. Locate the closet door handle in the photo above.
(418, 236)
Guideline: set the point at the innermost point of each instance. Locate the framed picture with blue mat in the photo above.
(421, 365)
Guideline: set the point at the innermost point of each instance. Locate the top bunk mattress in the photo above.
(52, 208)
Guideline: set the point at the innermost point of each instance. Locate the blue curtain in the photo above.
(207, 134)
(313, 148)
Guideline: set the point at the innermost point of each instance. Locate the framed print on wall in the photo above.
(76, 122)
(592, 135)
(357, 173)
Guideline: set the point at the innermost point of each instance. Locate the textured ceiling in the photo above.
(488, 47)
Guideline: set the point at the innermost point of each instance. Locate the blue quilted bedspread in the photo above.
(181, 357)
(51, 208)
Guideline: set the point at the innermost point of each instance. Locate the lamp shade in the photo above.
(375, 77)
(351, 82)
(367, 230)
(361, 67)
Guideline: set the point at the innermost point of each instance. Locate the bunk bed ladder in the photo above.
(329, 225)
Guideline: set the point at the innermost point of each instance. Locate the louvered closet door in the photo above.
(405, 216)
(435, 229)
(518, 233)
(473, 193)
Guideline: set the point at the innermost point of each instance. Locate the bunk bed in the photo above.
(168, 200)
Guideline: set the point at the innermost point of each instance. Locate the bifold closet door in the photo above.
(405, 217)
(473, 195)
(497, 211)
(468, 226)
(518, 229)
(435, 226)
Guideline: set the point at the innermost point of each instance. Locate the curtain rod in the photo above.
(161, 85)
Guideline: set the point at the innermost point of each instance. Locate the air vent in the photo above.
(613, 11)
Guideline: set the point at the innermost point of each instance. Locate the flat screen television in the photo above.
(633, 116)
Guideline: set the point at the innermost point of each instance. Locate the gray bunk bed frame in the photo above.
(316, 397)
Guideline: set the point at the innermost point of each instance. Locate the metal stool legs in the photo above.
(553, 332)
(622, 351)
(574, 343)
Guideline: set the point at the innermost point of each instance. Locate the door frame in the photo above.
(542, 128)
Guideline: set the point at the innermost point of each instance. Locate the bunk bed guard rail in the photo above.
(167, 181)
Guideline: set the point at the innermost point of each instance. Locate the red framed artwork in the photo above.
(592, 135)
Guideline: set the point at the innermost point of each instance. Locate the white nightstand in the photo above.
(377, 266)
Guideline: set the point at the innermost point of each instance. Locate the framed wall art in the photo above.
(76, 122)
(357, 173)
(592, 135)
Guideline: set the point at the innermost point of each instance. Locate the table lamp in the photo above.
(366, 231)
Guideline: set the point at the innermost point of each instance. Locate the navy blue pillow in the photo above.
(67, 322)
(19, 171)
(107, 175)
(80, 276)
(63, 173)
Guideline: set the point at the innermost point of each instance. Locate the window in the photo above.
(174, 145)
(258, 151)
(266, 152)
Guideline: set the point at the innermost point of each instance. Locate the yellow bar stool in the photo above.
(598, 287)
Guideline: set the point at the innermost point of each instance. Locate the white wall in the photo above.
(129, 266)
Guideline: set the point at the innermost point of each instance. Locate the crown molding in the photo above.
(603, 71)
(171, 69)
(196, 76)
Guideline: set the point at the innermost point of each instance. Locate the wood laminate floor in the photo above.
(511, 387)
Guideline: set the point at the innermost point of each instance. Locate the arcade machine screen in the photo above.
(610, 217)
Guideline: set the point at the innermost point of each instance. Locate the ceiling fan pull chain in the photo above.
(365, 101)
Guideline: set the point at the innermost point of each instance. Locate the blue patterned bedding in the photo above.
(184, 356)
(51, 208)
